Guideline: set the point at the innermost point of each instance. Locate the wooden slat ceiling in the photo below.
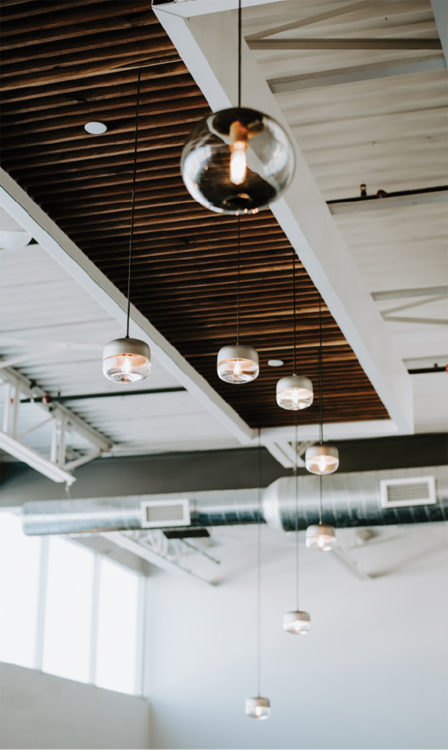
(66, 63)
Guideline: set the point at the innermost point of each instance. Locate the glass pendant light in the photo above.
(296, 622)
(258, 707)
(322, 458)
(128, 360)
(237, 363)
(294, 392)
(237, 160)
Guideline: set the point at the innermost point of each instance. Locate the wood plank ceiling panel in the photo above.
(66, 63)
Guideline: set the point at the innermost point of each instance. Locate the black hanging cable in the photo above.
(259, 571)
(294, 335)
(296, 483)
(320, 498)
(239, 53)
(238, 280)
(131, 233)
(321, 390)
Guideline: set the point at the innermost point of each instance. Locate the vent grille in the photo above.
(398, 492)
(159, 514)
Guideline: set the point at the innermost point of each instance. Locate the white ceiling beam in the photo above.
(355, 74)
(189, 8)
(206, 45)
(30, 216)
(392, 201)
(344, 44)
(440, 12)
(308, 21)
(332, 431)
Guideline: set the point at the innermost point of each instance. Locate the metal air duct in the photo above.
(349, 500)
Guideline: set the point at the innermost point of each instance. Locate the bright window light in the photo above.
(19, 592)
(68, 610)
(118, 609)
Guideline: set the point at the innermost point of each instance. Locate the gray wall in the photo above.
(373, 673)
(42, 711)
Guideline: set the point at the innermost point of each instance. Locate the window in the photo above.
(69, 611)
(19, 592)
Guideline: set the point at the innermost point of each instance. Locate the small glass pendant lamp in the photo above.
(128, 360)
(294, 391)
(237, 160)
(296, 621)
(237, 363)
(258, 707)
(320, 536)
(322, 458)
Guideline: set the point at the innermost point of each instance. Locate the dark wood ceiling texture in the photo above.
(65, 63)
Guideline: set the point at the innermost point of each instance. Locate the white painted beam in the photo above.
(355, 74)
(308, 21)
(332, 431)
(190, 8)
(32, 218)
(344, 44)
(206, 44)
(440, 11)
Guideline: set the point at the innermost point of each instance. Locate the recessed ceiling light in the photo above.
(275, 362)
(95, 128)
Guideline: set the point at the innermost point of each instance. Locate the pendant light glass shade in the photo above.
(294, 392)
(237, 160)
(258, 707)
(321, 536)
(237, 364)
(126, 360)
(297, 622)
(322, 459)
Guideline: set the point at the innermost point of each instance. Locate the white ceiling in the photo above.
(53, 332)
(390, 133)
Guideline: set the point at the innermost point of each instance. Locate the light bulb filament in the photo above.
(238, 146)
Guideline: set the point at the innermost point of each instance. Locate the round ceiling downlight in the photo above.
(95, 128)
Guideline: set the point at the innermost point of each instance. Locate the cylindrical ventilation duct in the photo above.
(348, 500)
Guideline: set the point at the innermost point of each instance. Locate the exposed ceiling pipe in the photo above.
(350, 500)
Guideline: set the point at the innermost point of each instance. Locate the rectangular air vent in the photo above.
(158, 514)
(412, 491)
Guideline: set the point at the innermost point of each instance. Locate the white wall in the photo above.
(373, 673)
(38, 710)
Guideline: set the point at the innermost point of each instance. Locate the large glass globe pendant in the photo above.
(237, 160)
(126, 360)
(237, 364)
(322, 459)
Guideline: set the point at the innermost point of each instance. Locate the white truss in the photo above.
(61, 459)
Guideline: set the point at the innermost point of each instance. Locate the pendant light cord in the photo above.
(131, 233)
(296, 487)
(259, 570)
(320, 498)
(238, 242)
(321, 389)
(239, 52)
(294, 335)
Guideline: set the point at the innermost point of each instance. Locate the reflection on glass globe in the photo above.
(237, 161)
(258, 707)
(320, 536)
(126, 360)
(297, 622)
(322, 459)
(294, 392)
(237, 364)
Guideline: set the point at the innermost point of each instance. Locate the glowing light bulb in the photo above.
(127, 365)
(320, 536)
(322, 459)
(238, 162)
(239, 143)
